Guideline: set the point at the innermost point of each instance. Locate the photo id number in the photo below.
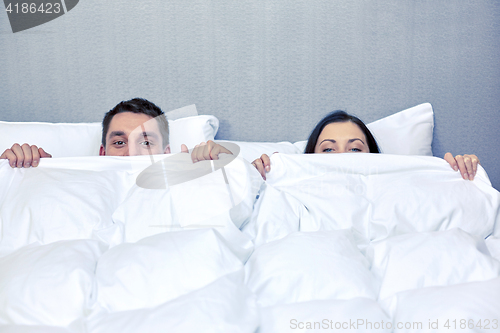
(33, 8)
(484, 324)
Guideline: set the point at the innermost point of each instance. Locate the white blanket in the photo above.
(376, 195)
(352, 242)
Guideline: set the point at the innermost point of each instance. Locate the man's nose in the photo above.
(126, 152)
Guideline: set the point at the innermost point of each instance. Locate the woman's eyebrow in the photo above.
(349, 141)
(352, 140)
(331, 140)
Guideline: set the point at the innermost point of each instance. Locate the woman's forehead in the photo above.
(340, 131)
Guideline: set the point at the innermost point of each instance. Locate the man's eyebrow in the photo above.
(116, 133)
(147, 135)
(144, 134)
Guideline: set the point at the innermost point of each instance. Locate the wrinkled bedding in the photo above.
(347, 242)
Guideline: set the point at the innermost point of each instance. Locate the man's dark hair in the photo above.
(137, 105)
(337, 117)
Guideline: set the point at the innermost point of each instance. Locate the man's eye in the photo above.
(327, 150)
(119, 143)
(145, 143)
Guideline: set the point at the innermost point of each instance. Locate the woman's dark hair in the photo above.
(340, 117)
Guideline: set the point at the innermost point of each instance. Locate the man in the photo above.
(134, 127)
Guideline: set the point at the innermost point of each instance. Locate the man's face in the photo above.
(131, 134)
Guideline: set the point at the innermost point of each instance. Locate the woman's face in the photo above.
(341, 137)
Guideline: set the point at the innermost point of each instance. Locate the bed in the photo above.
(392, 242)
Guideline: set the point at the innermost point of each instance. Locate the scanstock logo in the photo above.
(26, 14)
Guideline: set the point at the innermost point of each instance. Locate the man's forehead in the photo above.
(126, 123)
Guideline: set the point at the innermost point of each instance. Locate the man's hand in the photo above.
(24, 156)
(467, 164)
(206, 151)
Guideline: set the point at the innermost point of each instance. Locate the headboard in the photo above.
(268, 70)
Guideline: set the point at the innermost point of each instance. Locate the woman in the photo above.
(340, 132)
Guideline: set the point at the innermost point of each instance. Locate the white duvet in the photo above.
(349, 242)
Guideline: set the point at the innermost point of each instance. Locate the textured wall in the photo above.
(269, 70)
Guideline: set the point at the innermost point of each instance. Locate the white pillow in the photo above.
(408, 132)
(160, 268)
(309, 266)
(354, 315)
(56, 201)
(441, 258)
(48, 284)
(224, 305)
(468, 307)
(192, 131)
(84, 139)
(59, 140)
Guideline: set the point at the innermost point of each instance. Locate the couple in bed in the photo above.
(129, 129)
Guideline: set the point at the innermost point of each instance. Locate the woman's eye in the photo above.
(356, 150)
(327, 150)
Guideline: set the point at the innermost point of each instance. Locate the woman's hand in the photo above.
(24, 156)
(467, 164)
(263, 165)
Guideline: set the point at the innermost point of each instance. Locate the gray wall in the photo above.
(269, 70)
